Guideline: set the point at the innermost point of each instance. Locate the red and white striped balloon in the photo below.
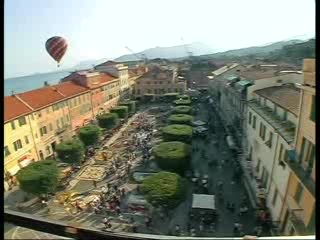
(56, 47)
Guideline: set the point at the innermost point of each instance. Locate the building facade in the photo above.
(157, 81)
(298, 213)
(272, 121)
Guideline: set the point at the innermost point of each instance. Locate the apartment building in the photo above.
(19, 141)
(272, 121)
(104, 89)
(51, 113)
(120, 71)
(298, 213)
(78, 99)
(158, 81)
(230, 85)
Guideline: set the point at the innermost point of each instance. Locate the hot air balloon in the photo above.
(56, 47)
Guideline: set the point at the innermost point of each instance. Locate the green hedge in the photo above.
(108, 120)
(131, 106)
(177, 132)
(182, 102)
(121, 111)
(90, 135)
(183, 97)
(38, 178)
(180, 119)
(173, 156)
(165, 188)
(70, 151)
(182, 110)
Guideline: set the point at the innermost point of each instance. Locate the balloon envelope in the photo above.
(56, 47)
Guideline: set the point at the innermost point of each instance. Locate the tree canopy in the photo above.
(121, 111)
(108, 120)
(90, 135)
(164, 188)
(70, 151)
(39, 177)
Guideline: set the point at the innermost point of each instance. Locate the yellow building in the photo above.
(298, 214)
(19, 146)
(51, 113)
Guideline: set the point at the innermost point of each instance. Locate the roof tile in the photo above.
(14, 108)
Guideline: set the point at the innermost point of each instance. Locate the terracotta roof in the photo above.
(107, 63)
(105, 78)
(14, 108)
(70, 88)
(41, 97)
(286, 96)
(256, 74)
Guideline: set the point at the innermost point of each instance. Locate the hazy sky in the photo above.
(98, 29)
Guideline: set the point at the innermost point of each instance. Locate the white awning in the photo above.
(230, 142)
(25, 162)
(203, 201)
(13, 171)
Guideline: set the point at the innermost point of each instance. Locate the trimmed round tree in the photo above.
(182, 110)
(177, 132)
(121, 111)
(164, 188)
(90, 135)
(131, 106)
(171, 96)
(108, 120)
(182, 102)
(70, 151)
(180, 119)
(183, 97)
(173, 156)
(40, 177)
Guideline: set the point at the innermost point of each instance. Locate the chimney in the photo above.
(46, 84)
(12, 93)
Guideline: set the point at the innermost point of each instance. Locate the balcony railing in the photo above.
(285, 128)
(303, 174)
(76, 231)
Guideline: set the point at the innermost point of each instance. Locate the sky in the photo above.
(96, 29)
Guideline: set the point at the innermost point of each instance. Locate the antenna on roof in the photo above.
(12, 93)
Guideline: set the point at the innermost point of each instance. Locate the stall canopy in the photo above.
(200, 129)
(136, 200)
(203, 201)
(198, 123)
(231, 143)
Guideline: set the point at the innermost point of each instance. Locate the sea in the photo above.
(27, 83)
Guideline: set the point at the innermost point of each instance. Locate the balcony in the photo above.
(303, 174)
(296, 220)
(286, 129)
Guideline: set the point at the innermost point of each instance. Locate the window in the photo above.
(26, 139)
(17, 145)
(22, 121)
(48, 110)
(254, 122)
(43, 131)
(262, 131)
(250, 118)
(50, 127)
(313, 109)
(285, 116)
(6, 151)
(39, 114)
(269, 143)
(138, 91)
(62, 121)
(264, 102)
(58, 123)
(68, 119)
(169, 90)
(258, 165)
(13, 126)
(55, 107)
(307, 152)
(80, 97)
(299, 193)
(48, 150)
(32, 117)
(275, 195)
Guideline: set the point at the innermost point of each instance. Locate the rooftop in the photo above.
(224, 69)
(107, 63)
(41, 97)
(70, 88)
(286, 96)
(14, 108)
